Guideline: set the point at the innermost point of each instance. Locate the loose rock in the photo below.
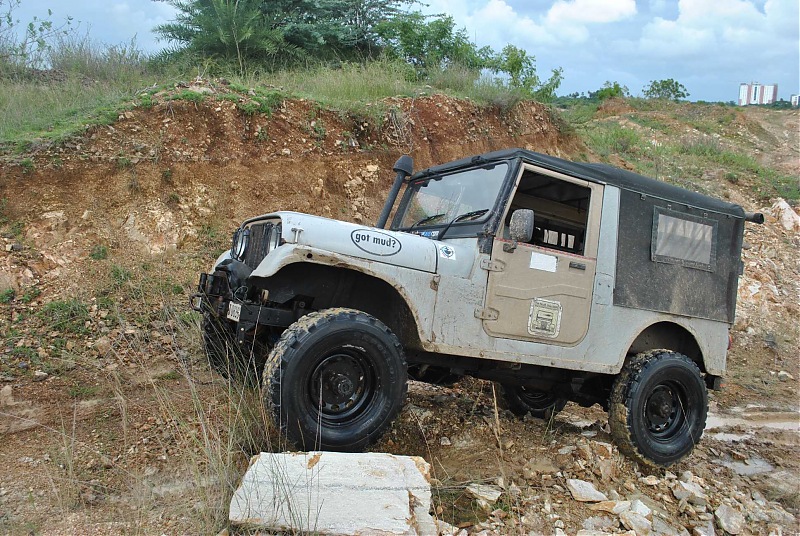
(636, 522)
(612, 507)
(584, 491)
(729, 519)
(691, 491)
(484, 492)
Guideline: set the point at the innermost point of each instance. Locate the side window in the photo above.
(561, 211)
(684, 239)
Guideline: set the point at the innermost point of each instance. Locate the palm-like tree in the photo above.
(234, 30)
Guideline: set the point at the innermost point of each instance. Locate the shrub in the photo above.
(99, 252)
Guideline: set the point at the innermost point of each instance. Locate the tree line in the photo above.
(259, 35)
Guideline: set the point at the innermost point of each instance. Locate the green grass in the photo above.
(342, 88)
(649, 122)
(82, 391)
(188, 95)
(768, 183)
(610, 138)
(99, 252)
(120, 274)
(580, 113)
(53, 112)
(30, 294)
(7, 296)
(24, 352)
(66, 315)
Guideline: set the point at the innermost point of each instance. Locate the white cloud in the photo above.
(722, 31)
(671, 39)
(582, 12)
(497, 22)
(504, 24)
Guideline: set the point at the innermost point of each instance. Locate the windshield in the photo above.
(440, 200)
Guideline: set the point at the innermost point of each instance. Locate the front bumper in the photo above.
(214, 297)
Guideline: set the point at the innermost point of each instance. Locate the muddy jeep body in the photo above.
(613, 275)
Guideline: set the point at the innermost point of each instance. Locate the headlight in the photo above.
(240, 239)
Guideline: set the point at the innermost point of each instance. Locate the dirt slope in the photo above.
(109, 417)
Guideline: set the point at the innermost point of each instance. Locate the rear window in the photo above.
(684, 239)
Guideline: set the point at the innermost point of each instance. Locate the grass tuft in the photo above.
(66, 315)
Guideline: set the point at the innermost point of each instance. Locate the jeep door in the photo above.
(542, 290)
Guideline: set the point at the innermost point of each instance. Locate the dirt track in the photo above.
(129, 433)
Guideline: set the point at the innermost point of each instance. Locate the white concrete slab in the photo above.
(336, 493)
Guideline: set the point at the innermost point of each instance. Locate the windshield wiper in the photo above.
(462, 217)
(426, 219)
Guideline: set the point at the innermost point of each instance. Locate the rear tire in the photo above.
(522, 401)
(658, 407)
(335, 380)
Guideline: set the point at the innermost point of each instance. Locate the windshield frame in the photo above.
(459, 229)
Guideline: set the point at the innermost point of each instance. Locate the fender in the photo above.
(415, 282)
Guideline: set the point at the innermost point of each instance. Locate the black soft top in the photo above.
(600, 173)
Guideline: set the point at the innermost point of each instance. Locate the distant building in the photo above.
(795, 100)
(755, 93)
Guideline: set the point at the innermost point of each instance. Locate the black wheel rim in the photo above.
(536, 399)
(665, 411)
(342, 386)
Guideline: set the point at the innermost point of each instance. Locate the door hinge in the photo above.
(492, 266)
(487, 314)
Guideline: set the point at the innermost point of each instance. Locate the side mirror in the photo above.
(521, 227)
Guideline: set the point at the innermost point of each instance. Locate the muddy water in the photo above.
(748, 418)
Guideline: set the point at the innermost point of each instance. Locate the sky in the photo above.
(710, 46)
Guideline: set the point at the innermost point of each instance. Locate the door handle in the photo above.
(577, 265)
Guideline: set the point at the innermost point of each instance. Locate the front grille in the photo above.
(258, 243)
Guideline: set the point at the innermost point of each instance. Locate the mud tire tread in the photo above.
(294, 337)
(625, 387)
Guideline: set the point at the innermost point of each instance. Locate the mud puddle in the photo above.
(750, 419)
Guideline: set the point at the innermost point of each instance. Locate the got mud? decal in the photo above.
(375, 242)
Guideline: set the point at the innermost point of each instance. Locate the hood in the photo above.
(361, 241)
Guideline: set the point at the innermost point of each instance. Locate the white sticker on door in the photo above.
(545, 318)
(541, 261)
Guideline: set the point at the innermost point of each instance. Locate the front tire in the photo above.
(335, 380)
(658, 407)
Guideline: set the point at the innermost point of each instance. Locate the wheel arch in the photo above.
(338, 286)
(669, 336)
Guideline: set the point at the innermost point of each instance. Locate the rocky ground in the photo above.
(112, 424)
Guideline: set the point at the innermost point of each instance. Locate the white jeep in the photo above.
(560, 281)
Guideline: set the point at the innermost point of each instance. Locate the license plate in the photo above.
(234, 311)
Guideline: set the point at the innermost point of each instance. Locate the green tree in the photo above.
(233, 30)
(333, 28)
(610, 90)
(429, 42)
(279, 31)
(668, 89)
(520, 67)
